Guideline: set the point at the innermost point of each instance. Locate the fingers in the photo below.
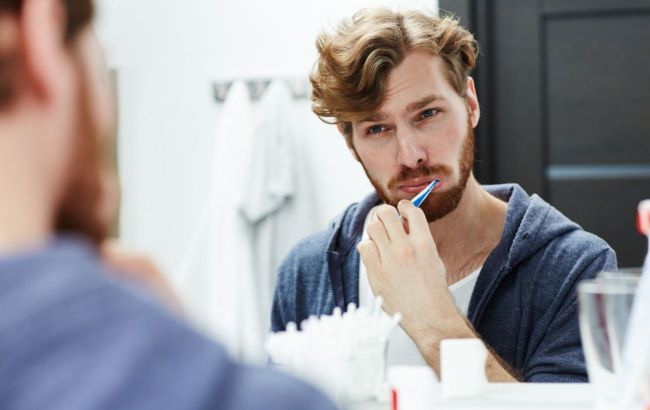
(377, 233)
(419, 233)
(417, 221)
(392, 222)
(369, 255)
(403, 235)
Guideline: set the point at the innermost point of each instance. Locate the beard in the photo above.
(438, 204)
(81, 209)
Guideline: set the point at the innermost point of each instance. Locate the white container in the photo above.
(462, 368)
(364, 372)
(417, 387)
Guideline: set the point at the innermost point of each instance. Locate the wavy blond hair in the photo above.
(349, 79)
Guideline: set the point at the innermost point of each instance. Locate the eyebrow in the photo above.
(423, 102)
(415, 106)
(378, 116)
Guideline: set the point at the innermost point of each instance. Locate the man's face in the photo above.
(89, 199)
(423, 131)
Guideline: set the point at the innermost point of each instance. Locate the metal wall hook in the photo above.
(299, 87)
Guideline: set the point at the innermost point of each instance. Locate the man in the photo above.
(70, 336)
(474, 261)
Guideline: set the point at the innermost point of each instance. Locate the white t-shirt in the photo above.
(401, 349)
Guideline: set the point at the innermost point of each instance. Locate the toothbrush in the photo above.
(422, 195)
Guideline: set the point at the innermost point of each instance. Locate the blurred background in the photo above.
(224, 167)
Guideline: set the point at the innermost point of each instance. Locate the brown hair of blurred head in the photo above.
(349, 79)
(79, 14)
(81, 206)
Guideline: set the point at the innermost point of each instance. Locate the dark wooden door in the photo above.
(564, 87)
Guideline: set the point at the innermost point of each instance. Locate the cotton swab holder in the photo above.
(344, 354)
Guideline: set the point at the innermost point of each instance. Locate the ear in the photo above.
(339, 127)
(472, 102)
(348, 141)
(43, 46)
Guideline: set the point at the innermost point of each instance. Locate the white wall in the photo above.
(167, 53)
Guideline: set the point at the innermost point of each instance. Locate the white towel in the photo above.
(271, 178)
(279, 202)
(217, 269)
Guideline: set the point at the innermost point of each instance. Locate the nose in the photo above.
(411, 152)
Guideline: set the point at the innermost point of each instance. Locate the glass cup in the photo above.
(605, 304)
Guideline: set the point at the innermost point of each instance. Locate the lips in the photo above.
(413, 186)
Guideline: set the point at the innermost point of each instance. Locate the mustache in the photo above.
(406, 174)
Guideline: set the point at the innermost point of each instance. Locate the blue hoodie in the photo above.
(71, 338)
(524, 305)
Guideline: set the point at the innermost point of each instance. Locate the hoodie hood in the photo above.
(531, 223)
(348, 226)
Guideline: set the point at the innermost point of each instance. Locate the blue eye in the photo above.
(428, 113)
(375, 129)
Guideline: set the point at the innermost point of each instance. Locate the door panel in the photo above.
(564, 87)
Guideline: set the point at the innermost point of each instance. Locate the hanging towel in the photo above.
(217, 272)
(278, 202)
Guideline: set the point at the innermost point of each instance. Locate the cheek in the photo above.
(102, 103)
(449, 146)
(100, 85)
(110, 199)
(376, 159)
(62, 126)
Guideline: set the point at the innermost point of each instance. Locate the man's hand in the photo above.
(405, 270)
(140, 269)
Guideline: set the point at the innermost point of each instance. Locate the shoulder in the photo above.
(79, 322)
(340, 234)
(569, 247)
(306, 255)
(544, 234)
(274, 391)
(550, 252)
(300, 278)
(554, 269)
